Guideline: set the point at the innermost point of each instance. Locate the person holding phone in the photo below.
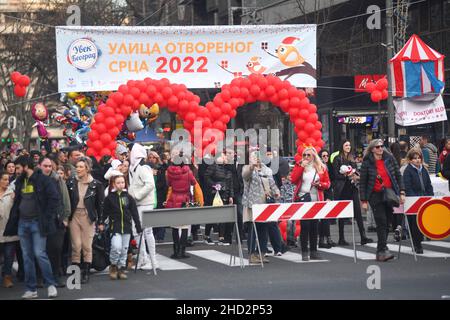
(310, 175)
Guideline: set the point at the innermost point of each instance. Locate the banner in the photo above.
(102, 58)
(410, 112)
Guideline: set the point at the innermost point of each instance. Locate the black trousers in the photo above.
(181, 242)
(226, 231)
(55, 243)
(308, 233)
(417, 236)
(324, 228)
(357, 215)
(383, 217)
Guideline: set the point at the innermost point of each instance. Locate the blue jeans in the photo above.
(9, 250)
(261, 228)
(119, 249)
(274, 234)
(33, 246)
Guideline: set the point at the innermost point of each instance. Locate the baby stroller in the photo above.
(101, 246)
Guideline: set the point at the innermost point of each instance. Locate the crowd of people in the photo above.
(52, 204)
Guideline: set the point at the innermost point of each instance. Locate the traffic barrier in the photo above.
(194, 215)
(275, 212)
(413, 204)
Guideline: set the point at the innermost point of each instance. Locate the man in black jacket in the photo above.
(32, 217)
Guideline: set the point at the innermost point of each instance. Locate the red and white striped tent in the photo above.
(416, 70)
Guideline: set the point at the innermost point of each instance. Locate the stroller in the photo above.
(101, 246)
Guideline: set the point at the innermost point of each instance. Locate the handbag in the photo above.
(307, 196)
(389, 195)
(269, 198)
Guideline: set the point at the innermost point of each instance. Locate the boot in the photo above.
(130, 264)
(314, 255)
(176, 251)
(59, 282)
(7, 281)
(322, 243)
(342, 242)
(364, 238)
(305, 256)
(121, 275)
(85, 272)
(113, 272)
(183, 253)
(330, 242)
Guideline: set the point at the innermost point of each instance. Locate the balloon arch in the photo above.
(215, 114)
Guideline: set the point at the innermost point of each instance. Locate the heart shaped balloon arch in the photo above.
(215, 114)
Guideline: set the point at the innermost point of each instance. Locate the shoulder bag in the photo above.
(389, 195)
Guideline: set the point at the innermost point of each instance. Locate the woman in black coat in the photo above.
(379, 169)
(417, 183)
(344, 188)
(324, 224)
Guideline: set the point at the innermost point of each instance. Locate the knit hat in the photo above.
(115, 164)
(121, 149)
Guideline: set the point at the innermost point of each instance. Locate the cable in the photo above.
(37, 98)
(162, 7)
(31, 21)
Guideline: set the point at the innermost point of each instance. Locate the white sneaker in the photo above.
(30, 295)
(147, 266)
(278, 254)
(52, 292)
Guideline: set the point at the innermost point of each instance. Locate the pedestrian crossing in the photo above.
(364, 253)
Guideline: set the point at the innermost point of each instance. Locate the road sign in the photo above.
(433, 219)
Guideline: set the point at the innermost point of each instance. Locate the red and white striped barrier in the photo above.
(413, 204)
(302, 211)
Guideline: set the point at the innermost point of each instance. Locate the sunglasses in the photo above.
(307, 155)
(324, 156)
(378, 147)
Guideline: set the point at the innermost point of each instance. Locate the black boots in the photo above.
(85, 267)
(176, 251)
(364, 238)
(322, 243)
(183, 253)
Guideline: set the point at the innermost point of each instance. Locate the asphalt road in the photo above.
(207, 275)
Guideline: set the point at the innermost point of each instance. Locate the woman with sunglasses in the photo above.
(311, 178)
(344, 188)
(379, 170)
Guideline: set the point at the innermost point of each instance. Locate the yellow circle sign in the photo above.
(433, 219)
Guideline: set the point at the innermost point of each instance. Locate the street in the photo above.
(207, 275)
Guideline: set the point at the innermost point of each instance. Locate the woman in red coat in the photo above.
(179, 181)
(311, 178)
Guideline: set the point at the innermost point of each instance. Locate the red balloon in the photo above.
(99, 117)
(111, 103)
(283, 94)
(101, 128)
(317, 135)
(105, 138)
(193, 106)
(310, 141)
(91, 152)
(293, 92)
(300, 123)
(233, 114)
(126, 111)
(128, 100)
(93, 135)
(270, 90)
(15, 76)
(226, 108)
(303, 114)
(295, 102)
(216, 113)
(108, 111)
(97, 145)
(167, 92)
(284, 105)
(144, 99)
(184, 105)
(225, 95)
(190, 117)
(312, 108)
(218, 125)
(370, 87)
(151, 90)
(302, 135)
(106, 152)
(382, 84)
(235, 91)
(384, 94)
(312, 118)
(244, 93)
(262, 83)
(318, 125)
(123, 89)
(112, 146)
(305, 103)
(24, 81)
(135, 92)
(301, 94)
(218, 100)
(141, 85)
(131, 83)
(246, 83)
(293, 112)
(309, 128)
(254, 90)
(114, 132)
(173, 101)
(159, 99)
(376, 96)
(274, 99)
(20, 91)
(117, 97)
(110, 122)
(234, 103)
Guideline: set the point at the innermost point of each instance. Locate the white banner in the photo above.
(102, 58)
(411, 112)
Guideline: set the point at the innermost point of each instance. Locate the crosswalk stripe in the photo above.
(219, 257)
(166, 263)
(349, 253)
(296, 258)
(443, 244)
(405, 249)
